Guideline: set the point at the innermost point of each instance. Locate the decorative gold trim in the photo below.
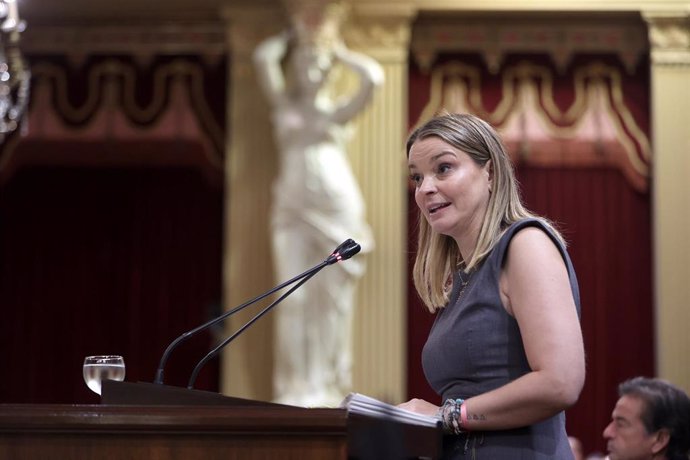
(602, 70)
(374, 33)
(524, 78)
(111, 70)
(545, 5)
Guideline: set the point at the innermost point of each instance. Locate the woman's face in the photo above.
(451, 189)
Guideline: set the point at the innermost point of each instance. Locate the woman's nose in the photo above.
(428, 185)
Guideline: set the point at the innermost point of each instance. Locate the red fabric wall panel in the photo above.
(104, 261)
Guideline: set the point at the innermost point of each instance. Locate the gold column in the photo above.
(378, 161)
(669, 35)
(250, 167)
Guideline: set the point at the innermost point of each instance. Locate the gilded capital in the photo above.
(669, 37)
(385, 37)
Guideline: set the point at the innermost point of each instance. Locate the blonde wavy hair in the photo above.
(438, 256)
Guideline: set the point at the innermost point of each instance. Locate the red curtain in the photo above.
(607, 223)
(111, 222)
(105, 261)
(608, 227)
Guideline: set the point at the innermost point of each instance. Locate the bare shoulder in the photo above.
(533, 265)
(530, 246)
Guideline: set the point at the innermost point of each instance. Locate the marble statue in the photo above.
(317, 204)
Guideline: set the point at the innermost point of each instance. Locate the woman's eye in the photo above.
(416, 178)
(443, 168)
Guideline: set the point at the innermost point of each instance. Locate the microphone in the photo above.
(344, 251)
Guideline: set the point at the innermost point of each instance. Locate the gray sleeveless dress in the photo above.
(474, 346)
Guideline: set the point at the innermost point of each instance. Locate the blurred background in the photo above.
(134, 188)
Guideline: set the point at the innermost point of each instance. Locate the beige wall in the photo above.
(670, 93)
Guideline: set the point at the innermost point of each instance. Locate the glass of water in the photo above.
(103, 367)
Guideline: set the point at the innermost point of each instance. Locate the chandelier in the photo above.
(14, 73)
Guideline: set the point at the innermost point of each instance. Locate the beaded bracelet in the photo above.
(450, 414)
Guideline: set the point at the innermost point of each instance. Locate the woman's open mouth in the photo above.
(438, 207)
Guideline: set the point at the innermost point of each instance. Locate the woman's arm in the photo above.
(267, 57)
(536, 290)
(370, 75)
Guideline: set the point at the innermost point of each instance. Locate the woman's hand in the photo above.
(420, 406)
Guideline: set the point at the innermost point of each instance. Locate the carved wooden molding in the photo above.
(496, 37)
(145, 40)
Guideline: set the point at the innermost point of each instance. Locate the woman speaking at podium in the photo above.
(505, 351)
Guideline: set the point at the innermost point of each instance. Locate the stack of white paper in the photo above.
(365, 405)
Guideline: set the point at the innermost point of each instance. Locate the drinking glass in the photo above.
(103, 367)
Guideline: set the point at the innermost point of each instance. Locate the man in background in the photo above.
(651, 420)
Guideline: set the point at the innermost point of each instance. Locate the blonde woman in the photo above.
(505, 352)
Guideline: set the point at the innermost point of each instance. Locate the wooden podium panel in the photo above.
(143, 421)
(87, 432)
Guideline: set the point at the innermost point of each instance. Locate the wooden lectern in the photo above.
(147, 421)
